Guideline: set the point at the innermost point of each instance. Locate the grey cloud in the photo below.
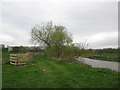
(108, 43)
(81, 19)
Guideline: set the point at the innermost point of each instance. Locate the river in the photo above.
(100, 63)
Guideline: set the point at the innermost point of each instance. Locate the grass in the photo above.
(103, 56)
(42, 72)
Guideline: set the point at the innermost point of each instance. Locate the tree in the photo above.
(81, 47)
(41, 34)
(60, 36)
(54, 36)
(50, 35)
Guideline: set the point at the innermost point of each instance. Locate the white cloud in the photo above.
(91, 21)
(59, 0)
(103, 36)
(6, 38)
(104, 40)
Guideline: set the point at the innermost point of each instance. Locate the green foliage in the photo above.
(62, 52)
(50, 34)
(50, 52)
(35, 49)
(56, 38)
(41, 34)
(107, 54)
(106, 50)
(5, 57)
(60, 36)
(19, 49)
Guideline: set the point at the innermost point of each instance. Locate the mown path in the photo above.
(41, 72)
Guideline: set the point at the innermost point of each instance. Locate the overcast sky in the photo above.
(94, 22)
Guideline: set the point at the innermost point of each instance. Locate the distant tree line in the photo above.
(21, 49)
(104, 50)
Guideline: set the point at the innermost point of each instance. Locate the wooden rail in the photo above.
(18, 59)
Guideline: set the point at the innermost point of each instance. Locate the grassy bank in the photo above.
(42, 72)
(103, 56)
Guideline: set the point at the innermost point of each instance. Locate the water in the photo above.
(100, 63)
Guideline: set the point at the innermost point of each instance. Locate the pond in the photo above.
(100, 63)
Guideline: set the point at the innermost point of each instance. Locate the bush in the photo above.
(4, 49)
(62, 52)
(20, 49)
(50, 52)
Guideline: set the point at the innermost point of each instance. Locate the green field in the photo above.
(42, 72)
(103, 56)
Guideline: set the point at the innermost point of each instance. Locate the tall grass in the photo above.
(103, 56)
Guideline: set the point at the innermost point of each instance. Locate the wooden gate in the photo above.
(18, 59)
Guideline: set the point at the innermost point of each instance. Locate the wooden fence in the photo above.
(18, 59)
(21, 59)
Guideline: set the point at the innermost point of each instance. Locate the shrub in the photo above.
(62, 52)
